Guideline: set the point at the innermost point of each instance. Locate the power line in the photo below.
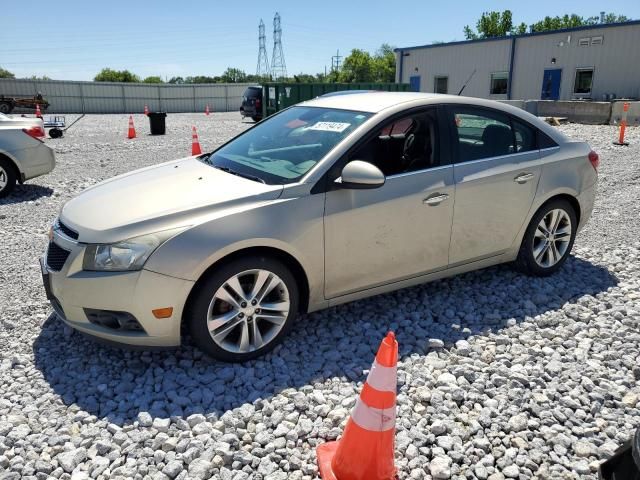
(262, 70)
(278, 66)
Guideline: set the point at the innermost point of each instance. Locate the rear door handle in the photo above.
(435, 199)
(523, 178)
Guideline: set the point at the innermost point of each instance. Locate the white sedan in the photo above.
(23, 155)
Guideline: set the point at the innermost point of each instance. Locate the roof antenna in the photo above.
(468, 80)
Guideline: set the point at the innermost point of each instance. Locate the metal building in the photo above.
(598, 62)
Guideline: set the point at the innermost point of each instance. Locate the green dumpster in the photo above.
(277, 96)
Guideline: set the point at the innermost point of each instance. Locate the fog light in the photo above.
(162, 312)
(113, 320)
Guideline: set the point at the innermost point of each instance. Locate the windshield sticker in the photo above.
(337, 127)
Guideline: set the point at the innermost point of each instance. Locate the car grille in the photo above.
(56, 257)
(67, 231)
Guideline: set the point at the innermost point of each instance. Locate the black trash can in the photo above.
(157, 122)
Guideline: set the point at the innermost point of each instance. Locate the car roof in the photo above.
(370, 101)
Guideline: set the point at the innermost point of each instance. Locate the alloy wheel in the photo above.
(552, 238)
(248, 311)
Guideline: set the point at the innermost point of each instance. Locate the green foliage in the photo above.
(176, 80)
(233, 75)
(109, 75)
(35, 77)
(153, 79)
(500, 24)
(360, 66)
(6, 73)
(491, 24)
(573, 20)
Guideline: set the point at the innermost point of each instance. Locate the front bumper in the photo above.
(72, 290)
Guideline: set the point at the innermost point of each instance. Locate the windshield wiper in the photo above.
(244, 175)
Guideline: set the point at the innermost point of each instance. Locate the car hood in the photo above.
(170, 195)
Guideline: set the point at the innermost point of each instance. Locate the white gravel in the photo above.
(501, 375)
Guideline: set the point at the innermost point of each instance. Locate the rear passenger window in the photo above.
(525, 137)
(482, 133)
(544, 141)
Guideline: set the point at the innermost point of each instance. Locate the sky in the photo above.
(75, 39)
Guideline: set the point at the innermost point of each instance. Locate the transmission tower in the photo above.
(278, 67)
(262, 70)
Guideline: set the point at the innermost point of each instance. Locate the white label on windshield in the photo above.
(337, 127)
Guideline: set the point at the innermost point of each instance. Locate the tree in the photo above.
(500, 24)
(491, 24)
(573, 20)
(233, 75)
(109, 75)
(153, 79)
(176, 80)
(384, 64)
(6, 73)
(35, 77)
(357, 67)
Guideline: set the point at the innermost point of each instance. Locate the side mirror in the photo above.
(360, 175)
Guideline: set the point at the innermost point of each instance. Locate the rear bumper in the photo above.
(71, 291)
(34, 161)
(586, 199)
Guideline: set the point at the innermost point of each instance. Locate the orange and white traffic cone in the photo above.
(365, 451)
(132, 130)
(195, 143)
(38, 112)
(623, 125)
(206, 110)
(146, 110)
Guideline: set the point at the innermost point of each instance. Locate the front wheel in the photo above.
(548, 240)
(243, 309)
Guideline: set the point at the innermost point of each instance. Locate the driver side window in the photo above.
(406, 144)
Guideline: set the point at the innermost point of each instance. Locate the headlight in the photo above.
(127, 255)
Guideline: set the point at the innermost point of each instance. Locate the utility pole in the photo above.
(278, 66)
(262, 70)
(335, 61)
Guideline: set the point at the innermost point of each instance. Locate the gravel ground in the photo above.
(501, 375)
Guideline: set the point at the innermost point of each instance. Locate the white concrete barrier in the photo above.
(597, 113)
(633, 115)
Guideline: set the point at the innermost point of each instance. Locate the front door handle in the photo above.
(523, 178)
(435, 199)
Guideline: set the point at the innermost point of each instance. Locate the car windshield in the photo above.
(284, 147)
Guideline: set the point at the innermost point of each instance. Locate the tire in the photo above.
(7, 177)
(55, 133)
(255, 118)
(5, 107)
(543, 253)
(236, 325)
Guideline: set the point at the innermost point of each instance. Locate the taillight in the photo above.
(35, 132)
(594, 158)
(258, 102)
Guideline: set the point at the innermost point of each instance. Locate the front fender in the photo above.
(292, 225)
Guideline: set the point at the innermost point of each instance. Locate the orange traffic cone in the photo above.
(195, 143)
(365, 451)
(38, 112)
(146, 110)
(206, 110)
(132, 130)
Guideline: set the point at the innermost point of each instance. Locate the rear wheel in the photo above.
(5, 107)
(244, 309)
(7, 177)
(256, 118)
(549, 238)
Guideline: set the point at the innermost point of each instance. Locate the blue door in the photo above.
(414, 82)
(551, 84)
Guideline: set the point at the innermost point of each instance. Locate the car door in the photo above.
(401, 229)
(496, 172)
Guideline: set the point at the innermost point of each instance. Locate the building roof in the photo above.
(534, 34)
